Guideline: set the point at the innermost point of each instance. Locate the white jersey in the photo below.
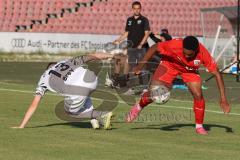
(71, 80)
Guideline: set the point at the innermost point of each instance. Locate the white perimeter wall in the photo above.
(52, 42)
(60, 42)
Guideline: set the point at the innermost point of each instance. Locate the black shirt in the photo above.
(136, 29)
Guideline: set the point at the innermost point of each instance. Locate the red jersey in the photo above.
(172, 55)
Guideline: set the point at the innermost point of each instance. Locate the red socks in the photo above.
(199, 109)
(198, 106)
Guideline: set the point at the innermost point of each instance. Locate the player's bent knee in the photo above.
(160, 94)
(198, 96)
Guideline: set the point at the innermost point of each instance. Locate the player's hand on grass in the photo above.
(17, 127)
(225, 106)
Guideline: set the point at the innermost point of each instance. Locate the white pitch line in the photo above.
(172, 99)
(122, 102)
(14, 90)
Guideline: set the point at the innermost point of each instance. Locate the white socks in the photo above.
(198, 126)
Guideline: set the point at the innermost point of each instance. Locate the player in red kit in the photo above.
(181, 57)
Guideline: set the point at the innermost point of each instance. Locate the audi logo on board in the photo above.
(18, 43)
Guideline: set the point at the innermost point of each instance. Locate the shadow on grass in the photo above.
(177, 127)
(72, 124)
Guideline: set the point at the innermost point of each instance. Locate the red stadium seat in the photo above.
(180, 16)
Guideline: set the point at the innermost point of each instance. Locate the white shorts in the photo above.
(79, 105)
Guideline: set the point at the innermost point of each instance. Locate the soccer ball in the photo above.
(160, 94)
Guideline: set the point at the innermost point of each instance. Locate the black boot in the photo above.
(115, 80)
(122, 80)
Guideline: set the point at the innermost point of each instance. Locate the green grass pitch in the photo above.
(161, 132)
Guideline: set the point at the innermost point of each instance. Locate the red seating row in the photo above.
(181, 17)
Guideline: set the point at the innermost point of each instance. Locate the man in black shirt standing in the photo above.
(136, 31)
(137, 28)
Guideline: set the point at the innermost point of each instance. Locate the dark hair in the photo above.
(50, 64)
(166, 36)
(164, 30)
(190, 43)
(136, 3)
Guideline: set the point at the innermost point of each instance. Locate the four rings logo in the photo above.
(18, 43)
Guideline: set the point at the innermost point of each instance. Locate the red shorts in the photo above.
(167, 74)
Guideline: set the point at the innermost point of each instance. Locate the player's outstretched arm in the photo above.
(80, 60)
(32, 108)
(98, 56)
(145, 59)
(121, 38)
(223, 99)
(154, 38)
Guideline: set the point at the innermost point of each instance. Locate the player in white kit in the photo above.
(75, 83)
